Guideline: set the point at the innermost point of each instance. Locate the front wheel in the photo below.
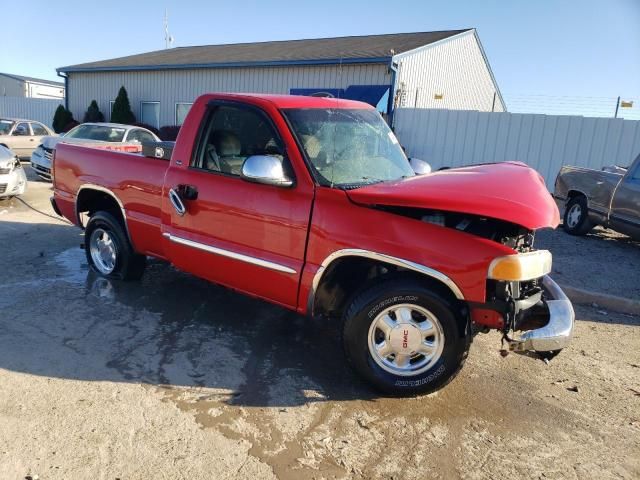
(108, 249)
(576, 217)
(405, 339)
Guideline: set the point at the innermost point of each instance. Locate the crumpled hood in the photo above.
(509, 191)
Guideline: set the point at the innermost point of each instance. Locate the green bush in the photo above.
(61, 118)
(122, 109)
(70, 125)
(93, 113)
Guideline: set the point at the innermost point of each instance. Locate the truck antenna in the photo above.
(168, 39)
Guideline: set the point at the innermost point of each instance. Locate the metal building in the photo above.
(28, 87)
(446, 69)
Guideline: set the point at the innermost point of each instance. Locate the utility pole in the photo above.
(617, 106)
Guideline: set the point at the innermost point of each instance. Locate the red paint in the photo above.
(507, 191)
(486, 317)
(299, 227)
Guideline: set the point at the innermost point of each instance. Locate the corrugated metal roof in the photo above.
(319, 50)
(32, 79)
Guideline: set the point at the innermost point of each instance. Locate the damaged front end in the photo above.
(505, 203)
(530, 309)
(522, 301)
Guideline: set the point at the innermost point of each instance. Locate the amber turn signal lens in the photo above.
(521, 267)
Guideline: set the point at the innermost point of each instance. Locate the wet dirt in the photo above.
(173, 377)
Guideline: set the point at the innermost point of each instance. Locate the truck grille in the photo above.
(48, 153)
(3, 187)
(5, 171)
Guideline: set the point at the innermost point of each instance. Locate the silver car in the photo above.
(22, 136)
(13, 180)
(91, 134)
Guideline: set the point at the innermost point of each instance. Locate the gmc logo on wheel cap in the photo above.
(405, 338)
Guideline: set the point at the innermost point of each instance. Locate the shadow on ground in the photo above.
(62, 320)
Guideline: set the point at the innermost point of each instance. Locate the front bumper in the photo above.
(41, 165)
(557, 332)
(13, 183)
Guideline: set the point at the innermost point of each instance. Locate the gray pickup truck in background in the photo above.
(608, 197)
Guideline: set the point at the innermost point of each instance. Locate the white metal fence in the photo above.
(39, 109)
(545, 142)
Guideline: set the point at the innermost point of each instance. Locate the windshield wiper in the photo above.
(354, 185)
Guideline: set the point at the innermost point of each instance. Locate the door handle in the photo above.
(32, 140)
(176, 201)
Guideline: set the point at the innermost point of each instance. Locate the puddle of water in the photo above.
(69, 266)
(72, 265)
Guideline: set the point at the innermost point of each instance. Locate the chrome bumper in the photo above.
(557, 333)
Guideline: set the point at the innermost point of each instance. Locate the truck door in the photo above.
(625, 205)
(248, 236)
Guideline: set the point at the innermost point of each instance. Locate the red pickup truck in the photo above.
(311, 203)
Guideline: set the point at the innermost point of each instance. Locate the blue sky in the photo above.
(536, 47)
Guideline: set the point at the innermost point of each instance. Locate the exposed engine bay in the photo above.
(520, 305)
(509, 234)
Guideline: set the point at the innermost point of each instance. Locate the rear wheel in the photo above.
(576, 216)
(108, 249)
(404, 339)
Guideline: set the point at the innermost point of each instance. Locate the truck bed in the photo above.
(134, 179)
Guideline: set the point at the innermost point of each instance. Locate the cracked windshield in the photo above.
(349, 147)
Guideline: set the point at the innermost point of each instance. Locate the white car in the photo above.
(113, 136)
(13, 180)
(22, 136)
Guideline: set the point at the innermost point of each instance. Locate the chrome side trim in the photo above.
(92, 186)
(227, 253)
(381, 257)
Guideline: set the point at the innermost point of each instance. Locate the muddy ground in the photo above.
(175, 378)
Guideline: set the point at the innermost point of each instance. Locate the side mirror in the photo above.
(265, 169)
(420, 167)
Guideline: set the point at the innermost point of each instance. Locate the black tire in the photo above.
(128, 264)
(366, 307)
(580, 225)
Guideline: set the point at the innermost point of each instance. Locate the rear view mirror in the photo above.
(265, 169)
(420, 167)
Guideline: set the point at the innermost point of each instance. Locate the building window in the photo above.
(182, 108)
(150, 113)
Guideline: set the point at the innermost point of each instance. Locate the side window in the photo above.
(140, 136)
(231, 135)
(39, 130)
(22, 130)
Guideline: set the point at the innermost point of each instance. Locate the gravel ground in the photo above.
(602, 261)
(175, 378)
